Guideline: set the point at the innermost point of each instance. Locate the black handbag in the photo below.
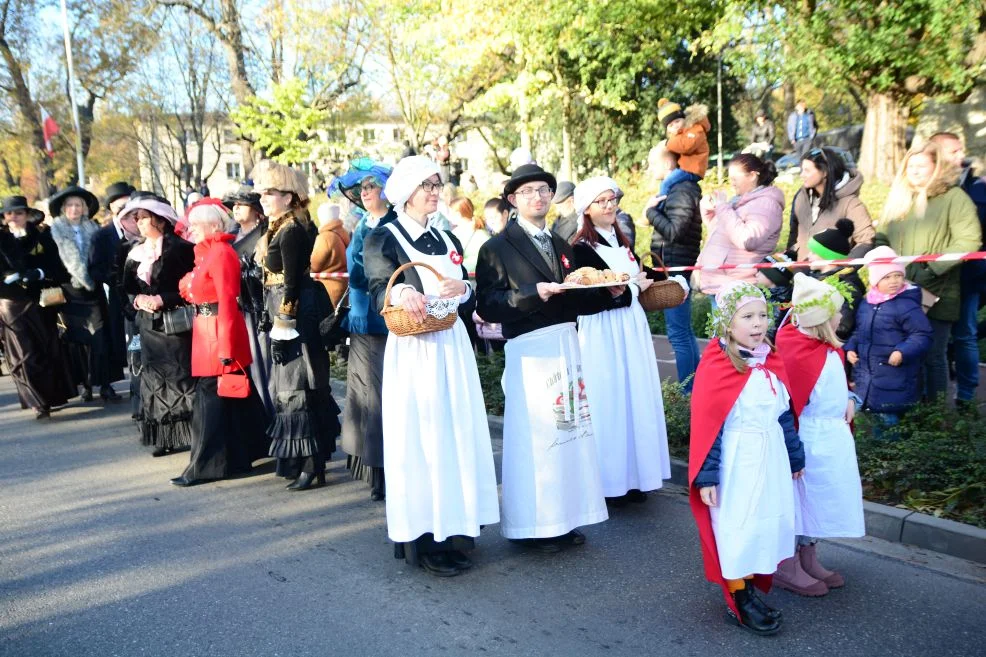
(333, 328)
(178, 320)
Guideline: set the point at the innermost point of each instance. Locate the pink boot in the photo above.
(790, 576)
(811, 565)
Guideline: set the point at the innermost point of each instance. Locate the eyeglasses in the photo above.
(818, 152)
(607, 202)
(530, 192)
(370, 186)
(431, 187)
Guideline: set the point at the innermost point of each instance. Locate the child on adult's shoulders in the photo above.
(687, 132)
(891, 338)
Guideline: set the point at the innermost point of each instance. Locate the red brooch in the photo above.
(455, 257)
(565, 263)
(630, 253)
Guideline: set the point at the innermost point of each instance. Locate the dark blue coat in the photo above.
(895, 325)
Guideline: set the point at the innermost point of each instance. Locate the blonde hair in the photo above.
(824, 333)
(903, 196)
(733, 352)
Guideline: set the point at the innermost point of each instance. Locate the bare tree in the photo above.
(16, 23)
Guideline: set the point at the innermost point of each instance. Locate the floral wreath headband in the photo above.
(717, 323)
(826, 302)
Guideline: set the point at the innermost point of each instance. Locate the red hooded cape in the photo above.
(717, 387)
(804, 358)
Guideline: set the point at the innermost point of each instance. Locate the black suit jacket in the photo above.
(507, 273)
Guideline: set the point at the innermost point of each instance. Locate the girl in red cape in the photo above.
(829, 498)
(744, 453)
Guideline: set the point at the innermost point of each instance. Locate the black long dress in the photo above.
(306, 417)
(102, 268)
(252, 303)
(167, 389)
(31, 345)
(84, 315)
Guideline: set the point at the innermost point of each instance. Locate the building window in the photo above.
(369, 135)
(397, 134)
(336, 135)
(233, 170)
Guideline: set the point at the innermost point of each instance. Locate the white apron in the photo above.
(754, 522)
(438, 458)
(550, 474)
(829, 498)
(621, 379)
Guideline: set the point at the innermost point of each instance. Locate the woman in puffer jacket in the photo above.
(744, 229)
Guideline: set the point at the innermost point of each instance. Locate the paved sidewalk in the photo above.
(100, 555)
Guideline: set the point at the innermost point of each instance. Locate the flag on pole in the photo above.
(49, 128)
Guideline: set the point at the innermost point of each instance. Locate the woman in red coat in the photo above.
(228, 433)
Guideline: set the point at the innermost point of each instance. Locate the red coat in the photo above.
(717, 387)
(216, 279)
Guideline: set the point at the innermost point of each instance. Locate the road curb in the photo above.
(885, 522)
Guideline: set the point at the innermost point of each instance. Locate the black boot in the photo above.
(765, 609)
(751, 618)
(307, 480)
(107, 393)
(378, 492)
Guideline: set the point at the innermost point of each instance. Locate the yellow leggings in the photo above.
(735, 585)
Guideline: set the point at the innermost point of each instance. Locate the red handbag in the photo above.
(235, 384)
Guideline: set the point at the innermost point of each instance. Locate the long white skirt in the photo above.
(754, 522)
(551, 479)
(624, 387)
(438, 458)
(829, 498)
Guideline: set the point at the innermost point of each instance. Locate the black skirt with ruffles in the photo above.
(305, 425)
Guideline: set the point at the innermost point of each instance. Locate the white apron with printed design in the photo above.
(438, 459)
(551, 479)
(829, 498)
(754, 521)
(621, 377)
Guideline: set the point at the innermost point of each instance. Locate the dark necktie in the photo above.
(543, 242)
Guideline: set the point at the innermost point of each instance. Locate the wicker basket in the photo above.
(662, 295)
(402, 324)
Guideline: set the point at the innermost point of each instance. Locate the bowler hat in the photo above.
(117, 191)
(565, 189)
(525, 174)
(56, 202)
(13, 203)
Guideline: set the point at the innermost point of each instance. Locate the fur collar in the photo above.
(76, 260)
(695, 114)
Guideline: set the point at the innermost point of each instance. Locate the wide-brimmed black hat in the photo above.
(56, 202)
(117, 191)
(525, 174)
(12, 203)
(244, 196)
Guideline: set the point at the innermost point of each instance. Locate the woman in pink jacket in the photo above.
(743, 229)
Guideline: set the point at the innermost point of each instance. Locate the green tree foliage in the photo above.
(284, 125)
(889, 52)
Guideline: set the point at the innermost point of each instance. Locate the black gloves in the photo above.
(32, 275)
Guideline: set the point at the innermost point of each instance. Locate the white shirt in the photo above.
(609, 236)
(531, 229)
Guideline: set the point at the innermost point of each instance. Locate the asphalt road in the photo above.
(100, 555)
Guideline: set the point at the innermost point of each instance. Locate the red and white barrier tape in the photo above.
(904, 260)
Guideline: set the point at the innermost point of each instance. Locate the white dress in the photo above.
(438, 458)
(622, 380)
(829, 498)
(754, 522)
(551, 479)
